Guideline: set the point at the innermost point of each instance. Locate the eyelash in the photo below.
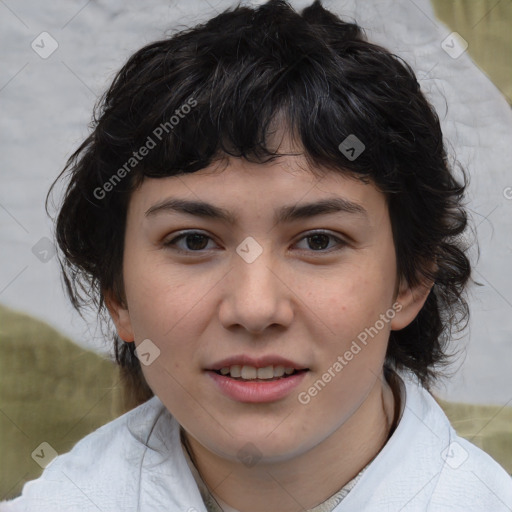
(341, 243)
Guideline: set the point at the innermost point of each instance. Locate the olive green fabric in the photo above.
(486, 26)
(51, 391)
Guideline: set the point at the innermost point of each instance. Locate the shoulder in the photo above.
(470, 479)
(464, 477)
(100, 466)
(426, 466)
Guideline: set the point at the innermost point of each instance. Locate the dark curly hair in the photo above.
(230, 79)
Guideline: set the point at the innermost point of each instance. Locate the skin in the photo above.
(299, 300)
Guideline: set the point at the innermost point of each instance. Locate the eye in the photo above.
(318, 241)
(194, 241)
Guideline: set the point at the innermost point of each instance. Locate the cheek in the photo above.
(165, 307)
(345, 313)
(162, 309)
(158, 296)
(351, 300)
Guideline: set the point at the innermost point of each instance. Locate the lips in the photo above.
(256, 362)
(256, 390)
(256, 379)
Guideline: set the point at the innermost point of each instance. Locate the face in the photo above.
(272, 284)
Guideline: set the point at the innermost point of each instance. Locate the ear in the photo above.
(120, 316)
(411, 300)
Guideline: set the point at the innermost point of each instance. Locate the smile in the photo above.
(247, 372)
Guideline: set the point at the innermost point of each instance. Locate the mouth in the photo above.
(251, 373)
(256, 384)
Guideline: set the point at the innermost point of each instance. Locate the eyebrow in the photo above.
(288, 213)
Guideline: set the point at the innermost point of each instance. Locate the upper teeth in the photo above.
(250, 372)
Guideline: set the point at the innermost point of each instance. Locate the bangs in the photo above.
(222, 95)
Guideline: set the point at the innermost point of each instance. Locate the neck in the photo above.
(311, 478)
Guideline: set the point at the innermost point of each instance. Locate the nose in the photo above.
(256, 295)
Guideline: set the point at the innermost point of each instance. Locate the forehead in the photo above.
(238, 186)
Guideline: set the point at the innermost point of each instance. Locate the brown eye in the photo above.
(193, 242)
(319, 241)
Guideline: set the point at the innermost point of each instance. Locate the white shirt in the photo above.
(137, 463)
